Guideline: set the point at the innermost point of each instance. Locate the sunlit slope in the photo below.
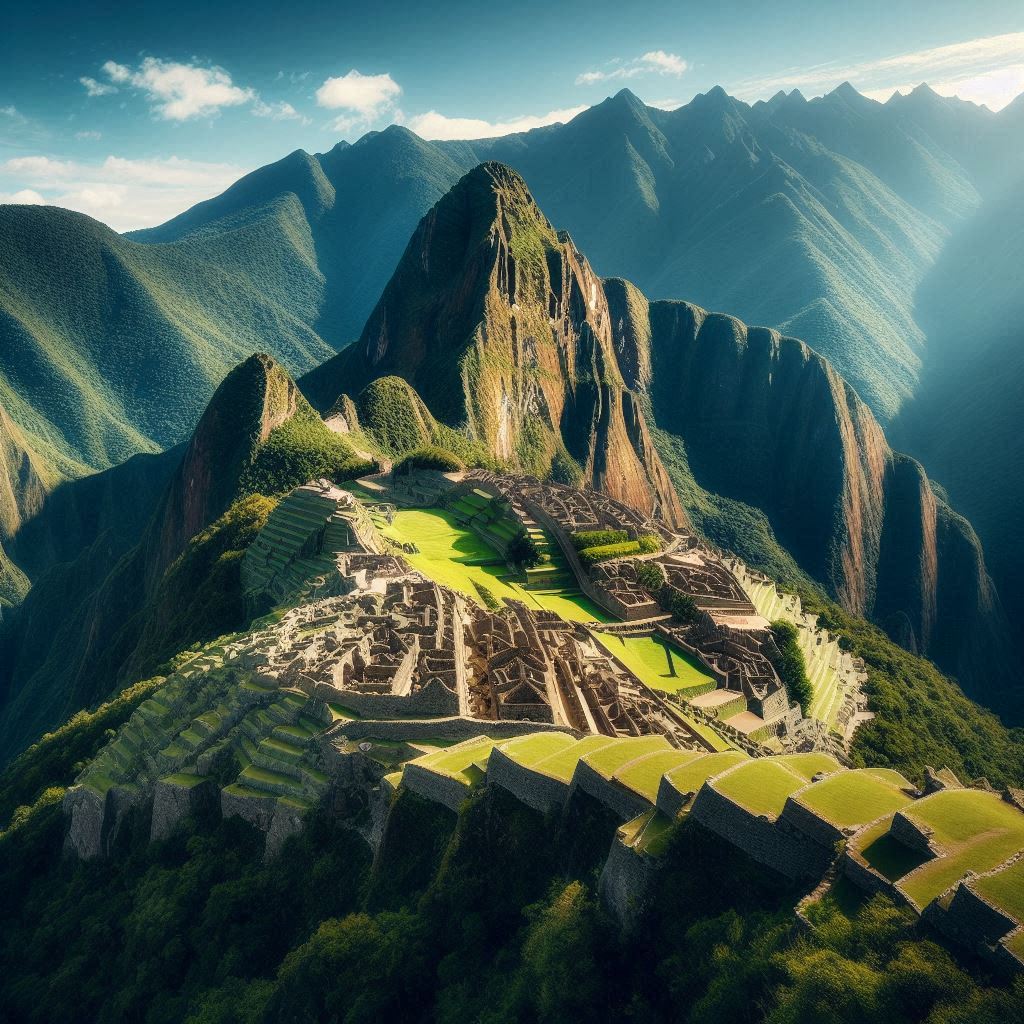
(109, 347)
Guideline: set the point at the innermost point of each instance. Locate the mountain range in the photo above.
(826, 220)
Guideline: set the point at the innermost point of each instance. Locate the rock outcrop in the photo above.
(767, 421)
(502, 327)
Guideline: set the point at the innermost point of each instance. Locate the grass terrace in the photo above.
(976, 831)
(608, 760)
(855, 797)
(562, 765)
(527, 751)
(1005, 889)
(762, 785)
(657, 663)
(643, 776)
(689, 777)
(465, 762)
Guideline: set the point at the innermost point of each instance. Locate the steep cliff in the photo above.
(502, 327)
(767, 421)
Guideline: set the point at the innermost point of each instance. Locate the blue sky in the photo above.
(132, 112)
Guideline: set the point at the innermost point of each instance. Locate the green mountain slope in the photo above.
(965, 421)
(111, 347)
(116, 607)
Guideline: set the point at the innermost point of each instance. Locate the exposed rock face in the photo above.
(501, 326)
(769, 422)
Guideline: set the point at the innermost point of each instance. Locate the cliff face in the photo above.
(767, 421)
(502, 327)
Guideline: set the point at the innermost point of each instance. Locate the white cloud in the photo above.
(24, 197)
(178, 91)
(654, 62)
(88, 136)
(362, 98)
(279, 111)
(123, 193)
(987, 70)
(433, 125)
(94, 88)
(12, 113)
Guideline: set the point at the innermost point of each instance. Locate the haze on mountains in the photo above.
(818, 218)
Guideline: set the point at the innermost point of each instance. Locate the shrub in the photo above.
(429, 457)
(789, 663)
(648, 543)
(678, 604)
(583, 539)
(651, 577)
(604, 552)
(523, 551)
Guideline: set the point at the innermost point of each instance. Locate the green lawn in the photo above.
(976, 831)
(761, 785)
(659, 665)
(854, 798)
(1005, 889)
(808, 765)
(690, 777)
(644, 775)
(446, 550)
(461, 761)
(608, 760)
(562, 765)
(528, 750)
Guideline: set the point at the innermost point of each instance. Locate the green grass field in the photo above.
(608, 760)
(659, 665)
(854, 798)
(446, 550)
(690, 777)
(1005, 889)
(643, 776)
(761, 785)
(975, 830)
(562, 765)
(465, 761)
(528, 750)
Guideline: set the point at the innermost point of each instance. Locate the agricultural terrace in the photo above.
(657, 663)
(606, 761)
(820, 659)
(456, 557)
(689, 777)
(561, 765)
(762, 786)
(971, 831)
(643, 776)
(465, 762)
(527, 751)
(855, 797)
(1005, 889)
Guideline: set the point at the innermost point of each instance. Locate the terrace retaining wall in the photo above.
(173, 802)
(622, 802)
(536, 790)
(626, 882)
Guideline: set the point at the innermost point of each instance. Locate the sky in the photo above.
(134, 112)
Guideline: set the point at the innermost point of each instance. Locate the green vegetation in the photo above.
(681, 606)
(608, 759)
(645, 544)
(921, 716)
(854, 798)
(761, 785)
(429, 457)
(488, 598)
(659, 664)
(790, 664)
(643, 775)
(299, 450)
(651, 577)
(582, 539)
(200, 595)
(523, 551)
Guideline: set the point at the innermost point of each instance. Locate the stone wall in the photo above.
(453, 727)
(622, 802)
(541, 792)
(94, 819)
(174, 801)
(433, 699)
(626, 882)
(441, 789)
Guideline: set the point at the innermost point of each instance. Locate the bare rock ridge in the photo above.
(502, 327)
(768, 421)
